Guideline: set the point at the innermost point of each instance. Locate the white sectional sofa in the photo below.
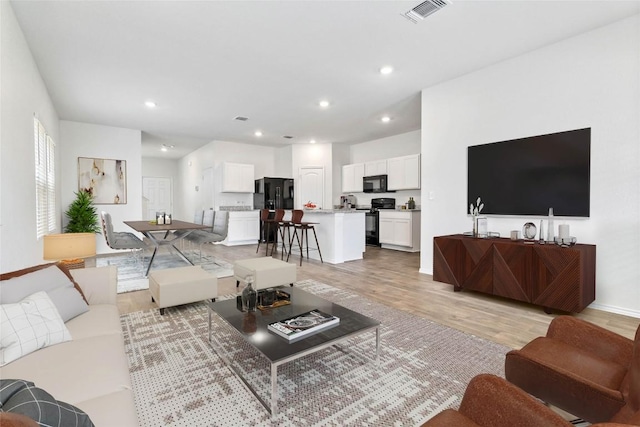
(91, 370)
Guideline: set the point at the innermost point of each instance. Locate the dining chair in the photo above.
(198, 217)
(219, 221)
(120, 240)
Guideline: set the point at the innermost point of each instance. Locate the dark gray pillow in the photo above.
(51, 280)
(23, 397)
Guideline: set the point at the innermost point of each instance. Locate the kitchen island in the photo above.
(340, 234)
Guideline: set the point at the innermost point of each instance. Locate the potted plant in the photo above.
(82, 215)
(79, 240)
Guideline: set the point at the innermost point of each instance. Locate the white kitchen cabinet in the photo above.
(352, 178)
(378, 167)
(237, 178)
(404, 173)
(400, 230)
(244, 228)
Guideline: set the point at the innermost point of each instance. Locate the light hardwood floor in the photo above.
(392, 278)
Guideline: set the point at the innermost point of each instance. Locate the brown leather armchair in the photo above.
(583, 369)
(491, 401)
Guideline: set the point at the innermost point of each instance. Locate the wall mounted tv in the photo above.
(527, 176)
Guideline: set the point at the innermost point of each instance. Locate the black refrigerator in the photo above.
(272, 193)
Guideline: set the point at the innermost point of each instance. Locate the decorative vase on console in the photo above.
(550, 230)
(475, 213)
(249, 295)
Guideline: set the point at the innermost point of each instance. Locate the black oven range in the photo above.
(372, 220)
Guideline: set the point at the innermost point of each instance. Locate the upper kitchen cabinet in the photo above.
(237, 178)
(378, 167)
(404, 173)
(352, 178)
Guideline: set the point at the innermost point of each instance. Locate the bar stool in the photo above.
(267, 223)
(303, 237)
(281, 226)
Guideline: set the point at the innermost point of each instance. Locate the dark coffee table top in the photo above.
(253, 326)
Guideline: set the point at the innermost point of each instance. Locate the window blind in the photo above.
(45, 180)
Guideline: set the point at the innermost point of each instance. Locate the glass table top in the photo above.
(253, 325)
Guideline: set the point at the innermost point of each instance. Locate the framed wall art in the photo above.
(105, 179)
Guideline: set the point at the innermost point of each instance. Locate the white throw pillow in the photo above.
(29, 325)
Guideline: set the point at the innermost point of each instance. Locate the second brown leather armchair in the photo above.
(583, 369)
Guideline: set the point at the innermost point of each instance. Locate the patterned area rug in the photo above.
(424, 367)
(131, 270)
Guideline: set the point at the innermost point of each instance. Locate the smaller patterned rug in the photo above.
(424, 367)
(131, 270)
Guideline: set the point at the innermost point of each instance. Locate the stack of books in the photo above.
(303, 325)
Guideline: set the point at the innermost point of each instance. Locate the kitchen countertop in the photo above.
(332, 211)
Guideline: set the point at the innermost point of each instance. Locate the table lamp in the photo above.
(69, 248)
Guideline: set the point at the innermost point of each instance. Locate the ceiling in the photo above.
(206, 62)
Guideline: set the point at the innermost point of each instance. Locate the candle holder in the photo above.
(565, 242)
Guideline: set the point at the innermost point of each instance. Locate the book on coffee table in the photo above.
(303, 325)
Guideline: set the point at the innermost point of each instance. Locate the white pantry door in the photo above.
(159, 196)
(311, 186)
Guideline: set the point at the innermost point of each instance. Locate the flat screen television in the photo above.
(527, 176)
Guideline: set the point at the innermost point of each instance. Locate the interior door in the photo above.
(311, 186)
(158, 194)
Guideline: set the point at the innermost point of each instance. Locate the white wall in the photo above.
(283, 163)
(385, 148)
(313, 155)
(160, 168)
(341, 154)
(23, 96)
(399, 145)
(212, 155)
(592, 80)
(88, 140)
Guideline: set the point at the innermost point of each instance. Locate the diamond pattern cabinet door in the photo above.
(511, 268)
(479, 265)
(556, 278)
(447, 261)
(463, 262)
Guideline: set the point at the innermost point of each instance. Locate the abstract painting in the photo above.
(105, 179)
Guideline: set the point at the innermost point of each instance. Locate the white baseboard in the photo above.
(616, 310)
(596, 306)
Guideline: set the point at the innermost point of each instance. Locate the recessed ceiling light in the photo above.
(150, 104)
(385, 119)
(313, 141)
(324, 103)
(258, 133)
(386, 70)
(163, 149)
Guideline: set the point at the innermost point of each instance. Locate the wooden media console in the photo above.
(554, 277)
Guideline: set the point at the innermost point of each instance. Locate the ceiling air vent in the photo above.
(425, 9)
(242, 119)
(287, 137)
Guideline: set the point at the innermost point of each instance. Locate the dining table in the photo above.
(150, 228)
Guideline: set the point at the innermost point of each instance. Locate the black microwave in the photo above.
(375, 184)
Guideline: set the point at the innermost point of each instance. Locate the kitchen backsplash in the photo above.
(236, 208)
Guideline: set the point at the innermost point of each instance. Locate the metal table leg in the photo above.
(274, 389)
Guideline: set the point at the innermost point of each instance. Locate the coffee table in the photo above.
(278, 350)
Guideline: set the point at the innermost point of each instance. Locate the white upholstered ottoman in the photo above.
(267, 272)
(183, 285)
